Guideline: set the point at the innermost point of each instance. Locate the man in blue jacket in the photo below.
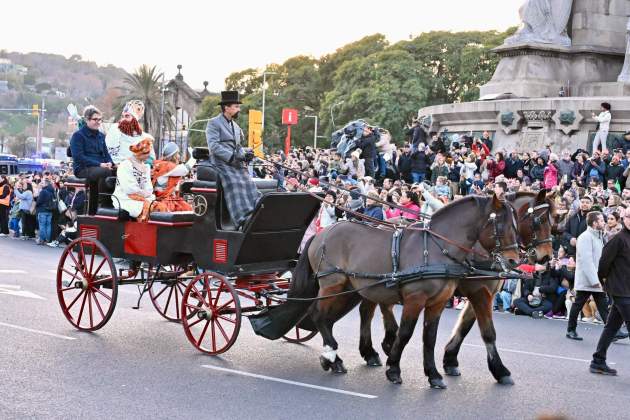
(90, 158)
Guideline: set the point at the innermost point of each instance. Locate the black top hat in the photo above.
(229, 97)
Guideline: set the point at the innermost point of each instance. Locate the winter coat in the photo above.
(537, 173)
(614, 172)
(565, 167)
(595, 168)
(495, 169)
(420, 162)
(512, 166)
(88, 149)
(374, 211)
(573, 229)
(26, 199)
(550, 176)
(589, 251)
(614, 264)
(46, 200)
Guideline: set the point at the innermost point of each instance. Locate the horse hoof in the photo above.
(506, 380)
(374, 360)
(338, 367)
(393, 376)
(437, 383)
(452, 371)
(326, 364)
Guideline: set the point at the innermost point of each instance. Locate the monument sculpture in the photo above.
(567, 58)
(543, 21)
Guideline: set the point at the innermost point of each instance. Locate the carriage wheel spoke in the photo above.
(214, 338)
(216, 300)
(74, 275)
(198, 295)
(89, 295)
(98, 269)
(297, 332)
(192, 324)
(98, 306)
(168, 300)
(92, 260)
(176, 300)
(75, 300)
(224, 305)
(103, 294)
(78, 266)
(223, 332)
(160, 292)
(226, 319)
(81, 310)
(203, 333)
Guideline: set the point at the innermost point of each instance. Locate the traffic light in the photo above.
(35, 110)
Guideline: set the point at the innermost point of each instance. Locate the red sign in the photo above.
(289, 116)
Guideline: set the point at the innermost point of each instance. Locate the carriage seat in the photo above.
(266, 185)
(172, 217)
(121, 214)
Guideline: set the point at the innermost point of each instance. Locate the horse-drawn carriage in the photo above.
(196, 266)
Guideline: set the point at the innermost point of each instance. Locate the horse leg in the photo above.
(429, 335)
(465, 322)
(411, 311)
(323, 314)
(391, 327)
(482, 303)
(366, 310)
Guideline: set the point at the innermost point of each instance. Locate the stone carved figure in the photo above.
(543, 21)
(624, 76)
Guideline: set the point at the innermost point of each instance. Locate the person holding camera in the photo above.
(224, 138)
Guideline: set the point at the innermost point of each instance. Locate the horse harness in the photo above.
(536, 225)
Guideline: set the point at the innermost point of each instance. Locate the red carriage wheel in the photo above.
(87, 285)
(299, 335)
(211, 313)
(166, 289)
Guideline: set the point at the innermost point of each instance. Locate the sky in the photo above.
(212, 39)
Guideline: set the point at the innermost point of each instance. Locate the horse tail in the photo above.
(276, 321)
(303, 285)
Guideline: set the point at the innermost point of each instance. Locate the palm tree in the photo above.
(144, 84)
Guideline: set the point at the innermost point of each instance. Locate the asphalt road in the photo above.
(141, 366)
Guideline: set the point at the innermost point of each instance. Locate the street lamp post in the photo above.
(161, 130)
(332, 117)
(264, 87)
(315, 131)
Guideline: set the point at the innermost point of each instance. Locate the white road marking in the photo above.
(285, 381)
(14, 290)
(17, 327)
(530, 353)
(9, 271)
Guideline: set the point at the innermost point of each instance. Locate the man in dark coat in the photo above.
(614, 269)
(367, 144)
(576, 224)
(512, 164)
(230, 159)
(418, 135)
(90, 158)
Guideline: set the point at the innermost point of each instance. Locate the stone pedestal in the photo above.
(539, 70)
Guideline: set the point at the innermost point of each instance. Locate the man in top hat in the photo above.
(224, 138)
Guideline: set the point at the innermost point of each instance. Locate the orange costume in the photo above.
(165, 178)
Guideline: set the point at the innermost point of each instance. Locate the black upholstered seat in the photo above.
(207, 172)
(172, 217)
(120, 214)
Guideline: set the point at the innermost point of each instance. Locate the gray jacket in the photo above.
(589, 250)
(224, 141)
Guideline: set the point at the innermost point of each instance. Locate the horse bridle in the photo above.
(536, 225)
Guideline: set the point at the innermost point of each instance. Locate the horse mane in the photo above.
(479, 202)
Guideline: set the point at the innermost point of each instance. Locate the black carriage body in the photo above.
(267, 243)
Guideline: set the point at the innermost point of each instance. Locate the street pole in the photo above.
(161, 130)
(315, 130)
(264, 88)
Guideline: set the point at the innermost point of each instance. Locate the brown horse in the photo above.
(536, 213)
(345, 256)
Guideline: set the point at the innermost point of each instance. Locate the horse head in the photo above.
(535, 225)
(499, 233)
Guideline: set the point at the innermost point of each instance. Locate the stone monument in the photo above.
(567, 57)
